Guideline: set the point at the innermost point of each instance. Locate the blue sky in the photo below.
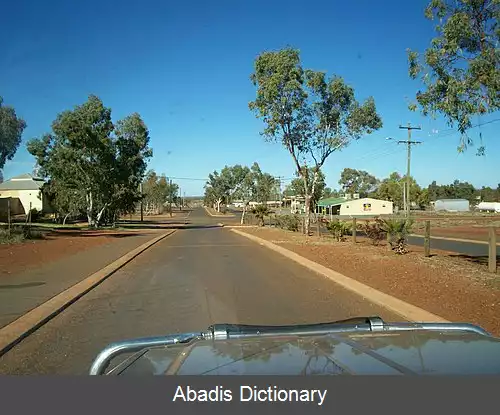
(185, 67)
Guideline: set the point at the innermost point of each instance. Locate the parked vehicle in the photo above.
(358, 346)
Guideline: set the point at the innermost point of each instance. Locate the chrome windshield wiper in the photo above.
(219, 332)
(228, 331)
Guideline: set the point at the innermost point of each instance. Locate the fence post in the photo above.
(492, 251)
(354, 230)
(427, 239)
(8, 215)
(303, 225)
(319, 226)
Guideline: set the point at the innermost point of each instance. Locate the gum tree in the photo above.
(461, 68)
(87, 154)
(11, 130)
(309, 114)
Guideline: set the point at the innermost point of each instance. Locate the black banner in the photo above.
(247, 394)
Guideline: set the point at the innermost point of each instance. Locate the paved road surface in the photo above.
(194, 278)
(465, 248)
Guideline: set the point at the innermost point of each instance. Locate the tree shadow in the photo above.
(166, 226)
(91, 234)
(475, 259)
(157, 222)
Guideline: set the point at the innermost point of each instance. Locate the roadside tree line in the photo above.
(313, 115)
(96, 165)
(242, 183)
(361, 182)
(159, 194)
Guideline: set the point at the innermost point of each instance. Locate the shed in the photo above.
(355, 207)
(489, 207)
(28, 190)
(366, 207)
(330, 206)
(452, 205)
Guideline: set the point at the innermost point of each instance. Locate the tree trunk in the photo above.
(64, 220)
(307, 202)
(101, 212)
(90, 209)
(308, 214)
(243, 214)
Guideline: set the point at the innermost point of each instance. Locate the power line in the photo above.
(449, 132)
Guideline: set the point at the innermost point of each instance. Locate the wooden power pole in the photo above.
(409, 143)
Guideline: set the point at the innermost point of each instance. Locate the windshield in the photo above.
(171, 166)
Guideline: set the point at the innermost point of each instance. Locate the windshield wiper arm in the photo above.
(227, 331)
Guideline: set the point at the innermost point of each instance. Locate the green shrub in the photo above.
(339, 229)
(397, 231)
(35, 215)
(260, 212)
(288, 222)
(15, 236)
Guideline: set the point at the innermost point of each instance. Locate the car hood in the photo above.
(398, 353)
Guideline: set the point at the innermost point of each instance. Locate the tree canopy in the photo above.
(461, 67)
(239, 182)
(11, 130)
(296, 187)
(87, 156)
(357, 181)
(309, 114)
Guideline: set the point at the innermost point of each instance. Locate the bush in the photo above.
(375, 231)
(288, 222)
(15, 236)
(35, 215)
(397, 231)
(339, 229)
(260, 212)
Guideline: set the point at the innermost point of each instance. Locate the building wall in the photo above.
(366, 206)
(26, 196)
(452, 205)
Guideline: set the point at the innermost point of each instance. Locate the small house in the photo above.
(28, 190)
(355, 207)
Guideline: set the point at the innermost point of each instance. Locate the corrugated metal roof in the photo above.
(25, 176)
(23, 182)
(332, 201)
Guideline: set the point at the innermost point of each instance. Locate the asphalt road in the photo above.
(188, 281)
(465, 248)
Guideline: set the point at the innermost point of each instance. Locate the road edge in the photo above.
(404, 309)
(13, 333)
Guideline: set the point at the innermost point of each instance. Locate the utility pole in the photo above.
(409, 143)
(180, 199)
(170, 201)
(142, 204)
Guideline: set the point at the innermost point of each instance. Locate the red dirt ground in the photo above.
(17, 257)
